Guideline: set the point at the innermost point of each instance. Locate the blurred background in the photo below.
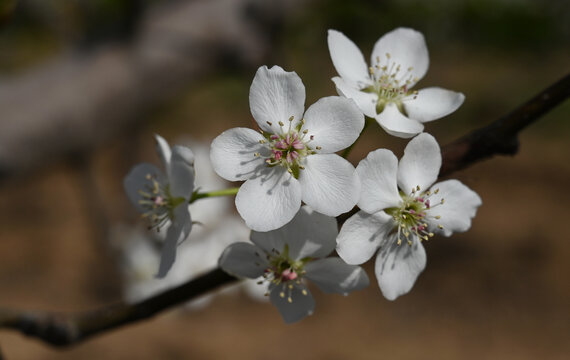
(84, 84)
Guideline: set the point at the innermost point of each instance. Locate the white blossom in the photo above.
(399, 209)
(163, 199)
(285, 257)
(291, 159)
(383, 90)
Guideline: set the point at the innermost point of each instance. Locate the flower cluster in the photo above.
(290, 159)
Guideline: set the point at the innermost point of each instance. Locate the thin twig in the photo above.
(60, 329)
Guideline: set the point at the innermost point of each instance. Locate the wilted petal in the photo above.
(244, 260)
(459, 208)
(407, 48)
(362, 234)
(329, 183)
(332, 275)
(420, 164)
(347, 59)
(137, 181)
(232, 154)
(398, 266)
(181, 176)
(276, 95)
(334, 122)
(396, 124)
(300, 306)
(365, 101)
(432, 104)
(378, 178)
(269, 200)
(309, 234)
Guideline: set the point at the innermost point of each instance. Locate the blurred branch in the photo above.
(62, 329)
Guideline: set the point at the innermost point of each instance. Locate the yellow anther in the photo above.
(440, 226)
(291, 118)
(436, 191)
(388, 55)
(281, 123)
(282, 294)
(304, 292)
(438, 217)
(289, 300)
(318, 148)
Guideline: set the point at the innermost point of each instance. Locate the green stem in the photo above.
(224, 192)
(347, 151)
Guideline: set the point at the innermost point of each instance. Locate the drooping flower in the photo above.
(291, 159)
(400, 208)
(163, 199)
(383, 90)
(287, 256)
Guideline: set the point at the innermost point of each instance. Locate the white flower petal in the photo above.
(178, 231)
(432, 104)
(269, 200)
(300, 306)
(163, 150)
(232, 154)
(335, 123)
(136, 181)
(396, 124)
(347, 59)
(407, 48)
(378, 175)
(244, 260)
(330, 184)
(181, 172)
(398, 266)
(332, 275)
(365, 101)
(459, 208)
(309, 234)
(420, 164)
(276, 95)
(362, 234)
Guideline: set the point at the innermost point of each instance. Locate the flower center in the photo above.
(391, 84)
(285, 272)
(288, 148)
(157, 202)
(413, 215)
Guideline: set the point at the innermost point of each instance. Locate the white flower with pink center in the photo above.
(400, 208)
(384, 90)
(163, 200)
(288, 256)
(291, 159)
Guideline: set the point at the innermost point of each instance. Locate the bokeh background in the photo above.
(85, 84)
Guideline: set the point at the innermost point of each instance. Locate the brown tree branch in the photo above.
(61, 329)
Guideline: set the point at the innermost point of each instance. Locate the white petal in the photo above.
(244, 260)
(459, 208)
(347, 58)
(420, 164)
(181, 176)
(335, 123)
(300, 306)
(163, 150)
(332, 275)
(362, 234)
(136, 181)
(179, 229)
(330, 184)
(269, 200)
(396, 124)
(365, 101)
(309, 234)
(398, 266)
(432, 104)
(232, 154)
(407, 48)
(378, 175)
(276, 95)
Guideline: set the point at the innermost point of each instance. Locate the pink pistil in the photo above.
(277, 155)
(288, 274)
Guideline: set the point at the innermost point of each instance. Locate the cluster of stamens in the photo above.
(283, 272)
(157, 202)
(413, 215)
(289, 147)
(391, 84)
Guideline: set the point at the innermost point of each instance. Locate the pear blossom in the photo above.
(291, 159)
(163, 199)
(383, 90)
(401, 207)
(285, 257)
